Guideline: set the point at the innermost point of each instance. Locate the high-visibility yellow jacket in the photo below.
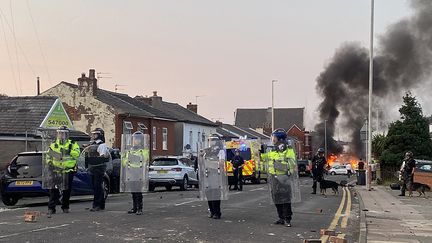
(68, 154)
(285, 158)
(144, 153)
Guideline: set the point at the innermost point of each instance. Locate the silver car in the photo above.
(173, 171)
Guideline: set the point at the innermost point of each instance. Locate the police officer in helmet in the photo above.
(408, 173)
(318, 164)
(62, 156)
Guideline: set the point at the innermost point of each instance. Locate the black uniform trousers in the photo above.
(238, 179)
(137, 199)
(317, 177)
(98, 190)
(407, 183)
(54, 194)
(284, 211)
(214, 207)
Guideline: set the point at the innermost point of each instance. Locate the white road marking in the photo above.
(257, 189)
(35, 230)
(183, 203)
(2, 210)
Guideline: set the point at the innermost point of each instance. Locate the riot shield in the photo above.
(212, 173)
(135, 159)
(283, 179)
(53, 175)
(92, 160)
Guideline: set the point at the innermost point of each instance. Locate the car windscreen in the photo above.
(27, 166)
(165, 162)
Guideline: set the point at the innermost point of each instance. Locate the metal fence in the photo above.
(389, 173)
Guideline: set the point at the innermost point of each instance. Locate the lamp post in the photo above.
(369, 141)
(272, 109)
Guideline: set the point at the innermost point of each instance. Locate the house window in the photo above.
(198, 138)
(127, 127)
(154, 138)
(141, 127)
(164, 138)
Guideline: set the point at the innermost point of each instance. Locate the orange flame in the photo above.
(331, 159)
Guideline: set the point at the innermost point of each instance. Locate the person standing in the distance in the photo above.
(62, 155)
(349, 169)
(318, 166)
(238, 162)
(408, 173)
(98, 169)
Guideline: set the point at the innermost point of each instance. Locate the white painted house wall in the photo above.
(195, 131)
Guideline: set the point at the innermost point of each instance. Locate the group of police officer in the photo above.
(63, 156)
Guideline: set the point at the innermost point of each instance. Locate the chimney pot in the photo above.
(92, 74)
(155, 93)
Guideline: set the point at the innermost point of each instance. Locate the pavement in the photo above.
(180, 216)
(387, 217)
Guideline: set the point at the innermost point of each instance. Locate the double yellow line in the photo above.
(346, 200)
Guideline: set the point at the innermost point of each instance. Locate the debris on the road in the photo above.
(319, 210)
(312, 241)
(334, 239)
(327, 232)
(271, 234)
(30, 216)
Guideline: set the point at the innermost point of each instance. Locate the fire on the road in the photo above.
(343, 159)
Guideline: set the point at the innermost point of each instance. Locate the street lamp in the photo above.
(325, 138)
(272, 109)
(369, 141)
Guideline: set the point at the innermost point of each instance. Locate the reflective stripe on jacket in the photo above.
(68, 154)
(286, 157)
(144, 153)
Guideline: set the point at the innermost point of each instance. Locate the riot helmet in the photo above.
(279, 135)
(98, 134)
(320, 152)
(409, 155)
(137, 140)
(62, 134)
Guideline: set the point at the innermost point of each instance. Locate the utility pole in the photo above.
(272, 109)
(325, 138)
(369, 147)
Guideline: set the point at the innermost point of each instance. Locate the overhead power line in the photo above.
(9, 55)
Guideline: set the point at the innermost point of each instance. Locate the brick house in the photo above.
(90, 107)
(304, 139)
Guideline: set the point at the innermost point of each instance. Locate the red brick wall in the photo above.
(149, 123)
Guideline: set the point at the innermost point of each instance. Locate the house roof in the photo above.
(183, 114)
(226, 135)
(238, 131)
(261, 118)
(255, 133)
(22, 114)
(125, 104)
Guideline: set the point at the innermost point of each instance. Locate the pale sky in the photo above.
(227, 51)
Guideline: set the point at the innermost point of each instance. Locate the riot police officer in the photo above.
(282, 176)
(98, 168)
(62, 157)
(134, 174)
(213, 178)
(408, 173)
(318, 164)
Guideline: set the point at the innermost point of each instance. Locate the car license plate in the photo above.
(162, 171)
(23, 183)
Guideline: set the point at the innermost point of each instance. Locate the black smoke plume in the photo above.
(402, 61)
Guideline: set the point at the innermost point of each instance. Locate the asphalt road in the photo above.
(177, 216)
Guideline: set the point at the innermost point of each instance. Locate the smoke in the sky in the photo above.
(402, 61)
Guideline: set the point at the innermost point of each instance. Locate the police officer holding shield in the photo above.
(282, 176)
(318, 164)
(134, 169)
(213, 178)
(96, 161)
(59, 169)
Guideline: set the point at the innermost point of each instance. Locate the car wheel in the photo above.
(184, 184)
(9, 200)
(168, 188)
(333, 173)
(106, 188)
(151, 188)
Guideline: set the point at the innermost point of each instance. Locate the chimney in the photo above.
(143, 99)
(38, 86)
(219, 123)
(87, 85)
(192, 107)
(156, 101)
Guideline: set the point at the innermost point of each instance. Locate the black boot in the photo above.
(280, 221)
(133, 210)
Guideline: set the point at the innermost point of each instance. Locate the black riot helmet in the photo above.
(98, 134)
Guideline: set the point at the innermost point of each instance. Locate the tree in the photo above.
(378, 145)
(410, 133)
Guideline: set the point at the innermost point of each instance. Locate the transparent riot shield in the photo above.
(283, 179)
(212, 173)
(135, 159)
(92, 160)
(53, 175)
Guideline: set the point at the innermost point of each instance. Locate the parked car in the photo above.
(304, 167)
(172, 171)
(338, 170)
(423, 172)
(23, 178)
